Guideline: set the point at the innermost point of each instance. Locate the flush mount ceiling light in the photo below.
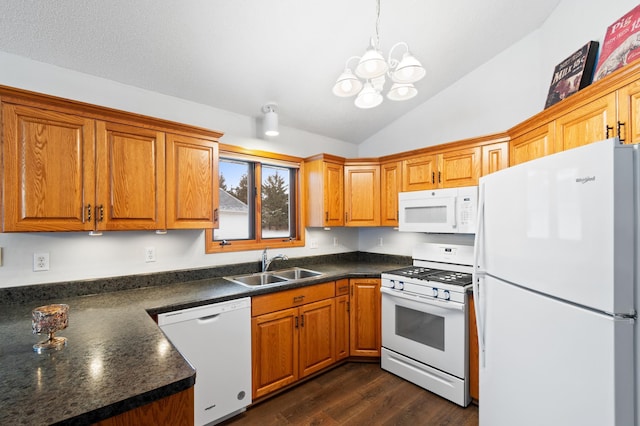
(372, 68)
(270, 122)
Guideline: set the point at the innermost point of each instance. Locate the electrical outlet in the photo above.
(313, 243)
(149, 254)
(380, 242)
(335, 241)
(40, 262)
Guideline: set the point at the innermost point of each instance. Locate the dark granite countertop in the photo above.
(116, 358)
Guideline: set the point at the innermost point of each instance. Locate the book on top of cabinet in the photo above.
(572, 74)
(621, 44)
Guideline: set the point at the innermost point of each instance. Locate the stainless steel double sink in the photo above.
(273, 277)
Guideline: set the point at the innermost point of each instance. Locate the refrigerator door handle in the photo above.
(478, 275)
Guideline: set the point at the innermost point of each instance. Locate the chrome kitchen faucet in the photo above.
(266, 261)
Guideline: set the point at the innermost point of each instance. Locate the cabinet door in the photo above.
(362, 195)
(49, 170)
(317, 336)
(586, 124)
(274, 348)
(364, 318)
(390, 185)
(531, 145)
(419, 173)
(342, 327)
(192, 183)
(130, 170)
(629, 113)
(495, 157)
(459, 168)
(333, 194)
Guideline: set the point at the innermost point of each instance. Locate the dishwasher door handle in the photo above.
(209, 318)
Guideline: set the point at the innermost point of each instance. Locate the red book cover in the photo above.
(621, 44)
(572, 74)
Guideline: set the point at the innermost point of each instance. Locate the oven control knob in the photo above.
(446, 295)
(399, 285)
(434, 292)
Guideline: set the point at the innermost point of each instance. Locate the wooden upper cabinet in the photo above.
(333, 195)
(130, 180)
(70, 166)
(362, 195)
(495, 157)
(192, 182)
(390, 185)
(419, 173)
(586, 124)
(324, 192)
(628, 123)
(459, 168)
(532, 144)
(49, 171)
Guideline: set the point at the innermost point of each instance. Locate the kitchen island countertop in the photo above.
(116, 357)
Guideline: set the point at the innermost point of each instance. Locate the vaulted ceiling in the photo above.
(239, 55)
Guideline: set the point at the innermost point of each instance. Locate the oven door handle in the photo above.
(444, 304)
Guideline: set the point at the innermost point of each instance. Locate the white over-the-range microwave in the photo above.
(449, 210)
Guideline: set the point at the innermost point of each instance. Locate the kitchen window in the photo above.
(259, 202)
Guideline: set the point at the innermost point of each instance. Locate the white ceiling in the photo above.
(238, 55)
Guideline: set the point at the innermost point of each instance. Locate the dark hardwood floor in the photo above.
(357, 394)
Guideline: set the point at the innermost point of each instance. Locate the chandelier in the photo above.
(371, 71)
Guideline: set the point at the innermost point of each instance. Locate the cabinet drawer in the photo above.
(291, 298)
(342, 287)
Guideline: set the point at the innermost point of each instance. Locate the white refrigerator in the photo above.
(556, 289)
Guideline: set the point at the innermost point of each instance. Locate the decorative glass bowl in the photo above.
(50, 319)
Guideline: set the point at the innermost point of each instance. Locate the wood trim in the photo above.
(232, 149)
(327, 158)
(449, 146)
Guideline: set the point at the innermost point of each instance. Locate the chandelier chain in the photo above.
(377, 24)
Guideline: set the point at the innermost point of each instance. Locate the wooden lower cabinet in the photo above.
(364, 317)
(292, 339)
(317, 336)
(274, 347)
(176, 410)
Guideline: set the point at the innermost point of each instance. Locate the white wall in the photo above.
(504, 91)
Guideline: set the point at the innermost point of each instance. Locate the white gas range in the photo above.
(424, 320)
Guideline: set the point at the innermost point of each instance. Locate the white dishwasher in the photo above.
(216, 340)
